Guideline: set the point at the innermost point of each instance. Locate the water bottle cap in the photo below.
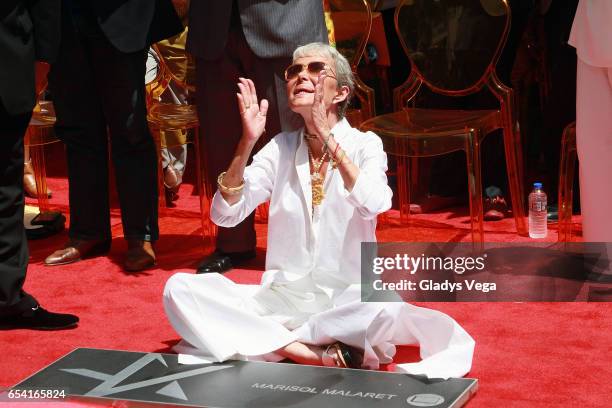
(537, 185)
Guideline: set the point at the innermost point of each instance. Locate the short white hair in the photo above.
(344, 74)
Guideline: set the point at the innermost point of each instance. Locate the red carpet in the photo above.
(527, 354)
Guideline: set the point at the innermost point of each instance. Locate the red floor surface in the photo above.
(527, 354)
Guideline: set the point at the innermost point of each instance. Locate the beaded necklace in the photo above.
(316, 179)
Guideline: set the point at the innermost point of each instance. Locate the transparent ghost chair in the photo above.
(174, 120)
(453, 47)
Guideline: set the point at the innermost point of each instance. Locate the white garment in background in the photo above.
(591, 33)
(310, 291)
(592, 36)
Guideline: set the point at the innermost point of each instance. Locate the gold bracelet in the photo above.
(326, 141)
(338, 161)
(228, 190)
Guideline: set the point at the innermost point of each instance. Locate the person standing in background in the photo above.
(97, 85)
(29, 31)
(591, 35)
(244, 38)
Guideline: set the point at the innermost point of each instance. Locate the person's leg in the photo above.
(177, 156)
(212, 314)
(221, 129)
(81, 126)
(18, 309)
(120, 84)
(174, 160)
(374, 329)
(13, 243)
(174, 154)
(220, 120)
(220, 318)
(594, 144)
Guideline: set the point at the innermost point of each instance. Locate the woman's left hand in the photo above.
(319, 110)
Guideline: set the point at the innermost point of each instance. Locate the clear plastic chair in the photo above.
(453, 47)
(567, 166)
(172, 123)
(352, 22)
(39, 134)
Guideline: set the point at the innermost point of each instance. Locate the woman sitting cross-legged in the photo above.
(326, 184)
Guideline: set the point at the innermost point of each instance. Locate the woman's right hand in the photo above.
(252, 113)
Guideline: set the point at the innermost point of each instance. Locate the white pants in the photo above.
(222, 320)
(594, 143)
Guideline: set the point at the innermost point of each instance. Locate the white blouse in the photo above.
(327, 244)
(592, 32)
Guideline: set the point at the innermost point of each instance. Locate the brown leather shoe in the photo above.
(75, 250)
(140, 255)
(29, 181)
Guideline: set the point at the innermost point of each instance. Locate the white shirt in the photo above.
(592, 32)
(326, 245)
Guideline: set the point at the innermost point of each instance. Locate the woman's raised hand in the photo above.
(252, 113)
(319, 111)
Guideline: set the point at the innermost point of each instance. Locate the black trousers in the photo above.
(13, 243)
(220, 124)
(99, 91)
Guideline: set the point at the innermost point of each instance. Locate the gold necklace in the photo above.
(316, 179)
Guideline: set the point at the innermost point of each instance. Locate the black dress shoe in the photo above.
(220, 262)
(217, 262)
(39, 319)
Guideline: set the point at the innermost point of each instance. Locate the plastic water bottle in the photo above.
(537, 212)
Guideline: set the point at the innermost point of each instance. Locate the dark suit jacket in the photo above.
(132, 25)
(273, 28)
(29, 31)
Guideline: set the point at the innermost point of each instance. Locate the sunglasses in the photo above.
(314, 69)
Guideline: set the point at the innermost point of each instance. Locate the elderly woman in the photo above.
(326, 184)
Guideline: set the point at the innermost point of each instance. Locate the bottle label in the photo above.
(538, 206)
